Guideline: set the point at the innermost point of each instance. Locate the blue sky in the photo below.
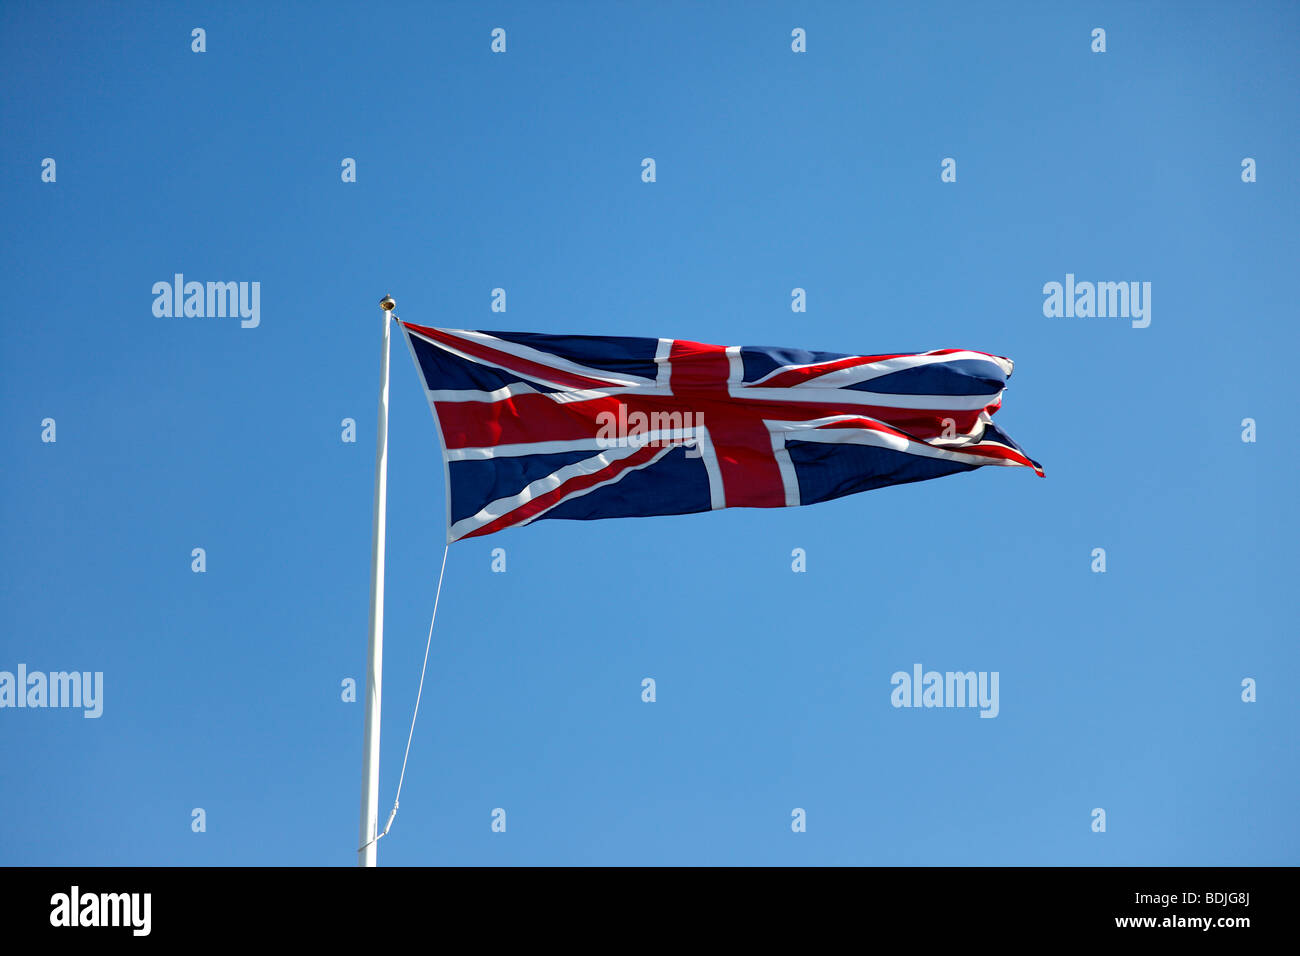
(775, 170)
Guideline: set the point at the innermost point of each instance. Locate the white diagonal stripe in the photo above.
(840, 396)
(539, 357)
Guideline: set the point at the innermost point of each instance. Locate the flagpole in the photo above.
(367, 853)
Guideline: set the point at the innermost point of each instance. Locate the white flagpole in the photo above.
(367, 853)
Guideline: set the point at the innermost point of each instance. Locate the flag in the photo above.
(583, 427)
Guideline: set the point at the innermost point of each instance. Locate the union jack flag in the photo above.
(578, 426)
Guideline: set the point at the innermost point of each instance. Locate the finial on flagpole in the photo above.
(387, 303)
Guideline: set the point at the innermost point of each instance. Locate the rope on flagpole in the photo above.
(401, 779)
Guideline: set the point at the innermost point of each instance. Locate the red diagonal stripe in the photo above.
(990, 450)
(796, 376)
(575, 484)
(524, 367)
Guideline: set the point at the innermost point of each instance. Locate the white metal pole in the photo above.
(367, 855)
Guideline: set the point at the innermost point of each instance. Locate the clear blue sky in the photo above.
(775, 170)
